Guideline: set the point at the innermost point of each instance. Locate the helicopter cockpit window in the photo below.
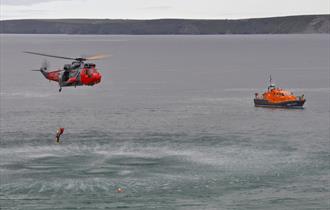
(89, 65)
(88, 72)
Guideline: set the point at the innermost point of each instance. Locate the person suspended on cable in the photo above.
(59, 132)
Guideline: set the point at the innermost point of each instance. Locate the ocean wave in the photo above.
(26, 94)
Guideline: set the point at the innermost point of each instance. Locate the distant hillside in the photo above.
(275, 25)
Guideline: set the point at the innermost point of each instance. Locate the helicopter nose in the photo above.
(97, 77)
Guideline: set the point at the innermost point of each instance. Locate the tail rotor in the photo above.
(44, 66)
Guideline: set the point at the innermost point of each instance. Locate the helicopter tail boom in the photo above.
(50, 75)
(43, 72)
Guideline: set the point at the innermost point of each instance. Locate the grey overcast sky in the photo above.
(151, 9)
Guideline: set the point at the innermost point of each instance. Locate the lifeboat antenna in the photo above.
(271, 85)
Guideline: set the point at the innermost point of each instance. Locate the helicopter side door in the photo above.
(69, 76)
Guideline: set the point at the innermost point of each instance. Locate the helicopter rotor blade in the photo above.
(97, 57)
(47, 55)
(79, 59)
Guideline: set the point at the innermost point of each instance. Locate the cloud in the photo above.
(26, 2)
(157, 8)
(35, 11)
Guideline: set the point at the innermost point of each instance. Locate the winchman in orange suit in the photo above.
(59, 132)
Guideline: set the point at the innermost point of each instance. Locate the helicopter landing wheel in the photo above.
(59, 90)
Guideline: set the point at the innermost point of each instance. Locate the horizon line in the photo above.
(169, 18)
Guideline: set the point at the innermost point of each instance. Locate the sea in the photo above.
(172, 123)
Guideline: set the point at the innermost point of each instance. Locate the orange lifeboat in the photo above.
(278, 98)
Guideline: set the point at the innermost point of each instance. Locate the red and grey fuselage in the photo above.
(75, 74)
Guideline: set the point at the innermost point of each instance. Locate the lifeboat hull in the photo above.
(298, 104)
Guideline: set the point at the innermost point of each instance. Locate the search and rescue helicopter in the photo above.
(77, 73)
